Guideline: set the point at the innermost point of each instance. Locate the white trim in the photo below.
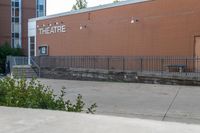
(11, 24)
(20, 23)
(35, 46)
(31, 33)
(122, 3)
(29, 51)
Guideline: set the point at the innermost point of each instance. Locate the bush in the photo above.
(33, 94)
(6, 50)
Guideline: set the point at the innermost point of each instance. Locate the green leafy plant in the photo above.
(33, 94)
(80, 4)
(6, 50)
(115, 1)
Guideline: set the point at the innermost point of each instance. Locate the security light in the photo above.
(134, 20)
(81, 27)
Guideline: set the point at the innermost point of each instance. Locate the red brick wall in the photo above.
(5, 28)
(28, 11)
(165, 28)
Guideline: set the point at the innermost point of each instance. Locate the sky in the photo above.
(58, 6)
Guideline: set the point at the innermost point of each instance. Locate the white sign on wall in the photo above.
(52, 29)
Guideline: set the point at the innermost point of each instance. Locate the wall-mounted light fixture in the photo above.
(83, 26)
(134, 20)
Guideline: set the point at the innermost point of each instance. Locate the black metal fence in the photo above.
(172, 66)
(157, 65)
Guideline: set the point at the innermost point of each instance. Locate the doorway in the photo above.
(32, 46)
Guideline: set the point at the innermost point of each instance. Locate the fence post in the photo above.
(162, 65)
(141, 64)
(71, 62)
(123, 64)
(108, 63)
(39, 62)
(186, 62)
(195, 61)
(94, 60)
(197, 64)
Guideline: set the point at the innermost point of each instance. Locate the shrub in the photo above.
(6, 50)
(33, 94)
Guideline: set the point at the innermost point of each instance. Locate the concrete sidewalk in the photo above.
(148, 101)
(15, 120)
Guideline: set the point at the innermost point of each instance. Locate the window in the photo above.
(43, 50)
(16, 4)
(32, 46)
(15, 25)
(32, 39)
(40, 8)
(15, 35)
(13, 3)
(16, 12)
(14, 19)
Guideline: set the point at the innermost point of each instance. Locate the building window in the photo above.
(16, 23)
(16, 4)
(41, 8)
(43, 50)
(16, 12)
(15, 35)
(32, 46)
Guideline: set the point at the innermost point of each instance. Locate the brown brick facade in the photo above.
(160, 28)
(5, 21)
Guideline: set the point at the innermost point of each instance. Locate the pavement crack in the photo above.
(172, 102)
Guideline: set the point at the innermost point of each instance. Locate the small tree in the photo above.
(33, 94)
(115, 1)
(80, 4)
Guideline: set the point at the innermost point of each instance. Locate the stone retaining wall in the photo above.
(116, 76)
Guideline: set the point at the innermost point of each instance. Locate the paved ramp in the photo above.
(15, 120)
(148, 101)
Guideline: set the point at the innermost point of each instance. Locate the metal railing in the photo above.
(161, 66)
(168, 65)
(22, 61)
(16, 61)
(35, 66)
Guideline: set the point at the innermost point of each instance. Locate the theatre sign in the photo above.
(52, 29)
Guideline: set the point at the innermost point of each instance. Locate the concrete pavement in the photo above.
(147, 101)
(15, 120)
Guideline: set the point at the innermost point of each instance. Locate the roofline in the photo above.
(90, 9)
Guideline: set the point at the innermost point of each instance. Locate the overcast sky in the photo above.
(58, 6)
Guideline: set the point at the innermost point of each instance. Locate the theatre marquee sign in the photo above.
(52, 29)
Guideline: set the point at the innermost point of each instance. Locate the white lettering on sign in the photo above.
(52, 29)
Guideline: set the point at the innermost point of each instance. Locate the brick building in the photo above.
(14, 15)
(128, 28)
